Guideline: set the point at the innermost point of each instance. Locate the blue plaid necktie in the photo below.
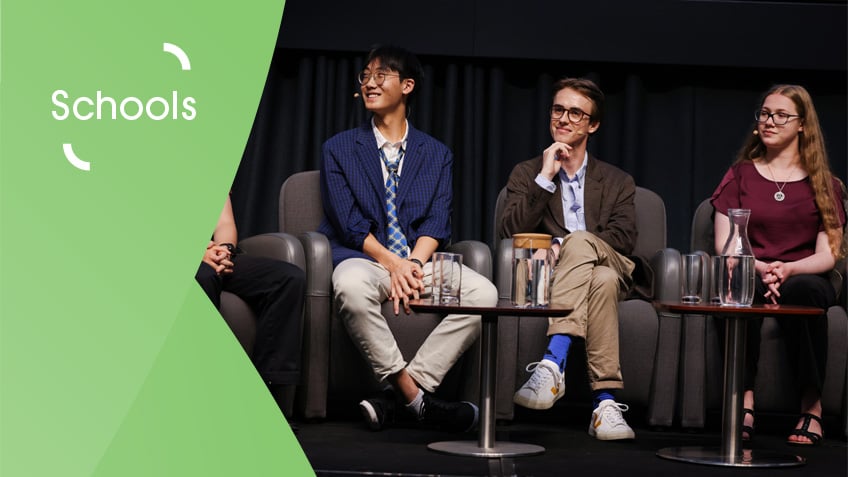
(397, 241)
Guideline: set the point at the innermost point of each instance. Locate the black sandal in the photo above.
(748, 429)
(804, 431)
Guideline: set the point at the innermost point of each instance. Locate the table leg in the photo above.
(488, 348)
(734, 371)
(486, 445)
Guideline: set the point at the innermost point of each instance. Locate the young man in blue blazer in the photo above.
(381, 250)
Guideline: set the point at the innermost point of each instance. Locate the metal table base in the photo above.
(499, 449)
(486, 446)
(715, 456)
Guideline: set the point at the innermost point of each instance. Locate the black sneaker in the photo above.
(448, 416)
(378, 411)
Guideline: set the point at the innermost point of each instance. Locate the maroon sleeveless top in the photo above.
(784, 231)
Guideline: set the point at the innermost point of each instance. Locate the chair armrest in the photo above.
(279, 246)
(666, 266)
(475, 255)
(314, 384)
(503, 268)
(319, 263)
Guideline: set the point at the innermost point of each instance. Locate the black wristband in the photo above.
(415, 260)
(231, 248)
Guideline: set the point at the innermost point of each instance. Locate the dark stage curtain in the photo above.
(674, 129)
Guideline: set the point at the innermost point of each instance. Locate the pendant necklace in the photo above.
(779, 195)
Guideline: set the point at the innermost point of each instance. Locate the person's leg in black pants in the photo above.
(806, 338)
(806, 348)
(210, 282)
(275, 291)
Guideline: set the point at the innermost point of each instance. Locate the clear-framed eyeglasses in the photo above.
(779, 118)
(575, 115)
(379, 77)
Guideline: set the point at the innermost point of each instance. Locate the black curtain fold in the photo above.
(675, 129)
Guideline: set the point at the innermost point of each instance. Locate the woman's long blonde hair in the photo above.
(813, 159)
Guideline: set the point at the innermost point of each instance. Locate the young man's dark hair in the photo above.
(395, 58)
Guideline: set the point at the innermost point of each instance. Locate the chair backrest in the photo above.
(702, 234)
(300, 208)
(650, 221)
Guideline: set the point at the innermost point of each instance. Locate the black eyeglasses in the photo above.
(779, 118)
(379, 77)
(575, 115)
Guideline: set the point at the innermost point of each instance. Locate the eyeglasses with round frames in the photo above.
(379, 77)
(575, 115)
(779, 118)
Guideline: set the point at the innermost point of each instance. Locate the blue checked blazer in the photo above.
(353, 191)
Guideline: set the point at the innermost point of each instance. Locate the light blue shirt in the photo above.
(571, 189)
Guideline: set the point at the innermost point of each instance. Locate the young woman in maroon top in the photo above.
(796, 231)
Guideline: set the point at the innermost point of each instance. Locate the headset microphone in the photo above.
(355, 95)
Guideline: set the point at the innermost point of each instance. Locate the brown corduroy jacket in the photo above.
(608, 204)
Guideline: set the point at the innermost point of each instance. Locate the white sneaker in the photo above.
(544, 387)
(608, 424)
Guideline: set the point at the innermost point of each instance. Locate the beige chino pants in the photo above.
(361, 286)
(590, 278)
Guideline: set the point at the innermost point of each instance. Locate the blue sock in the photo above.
(601, 395)
(558, 350)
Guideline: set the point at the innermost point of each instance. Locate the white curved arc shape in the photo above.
(74, 160)
(179, 53)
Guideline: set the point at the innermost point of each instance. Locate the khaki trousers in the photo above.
(590, 278)
(361, 286)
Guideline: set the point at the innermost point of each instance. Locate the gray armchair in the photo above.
(333, 368)
(702, 358)
(649, 340)
(236, 313)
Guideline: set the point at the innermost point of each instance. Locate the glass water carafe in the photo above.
(736, 271)
(532, 268)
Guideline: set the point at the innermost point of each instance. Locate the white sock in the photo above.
(417, 405)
